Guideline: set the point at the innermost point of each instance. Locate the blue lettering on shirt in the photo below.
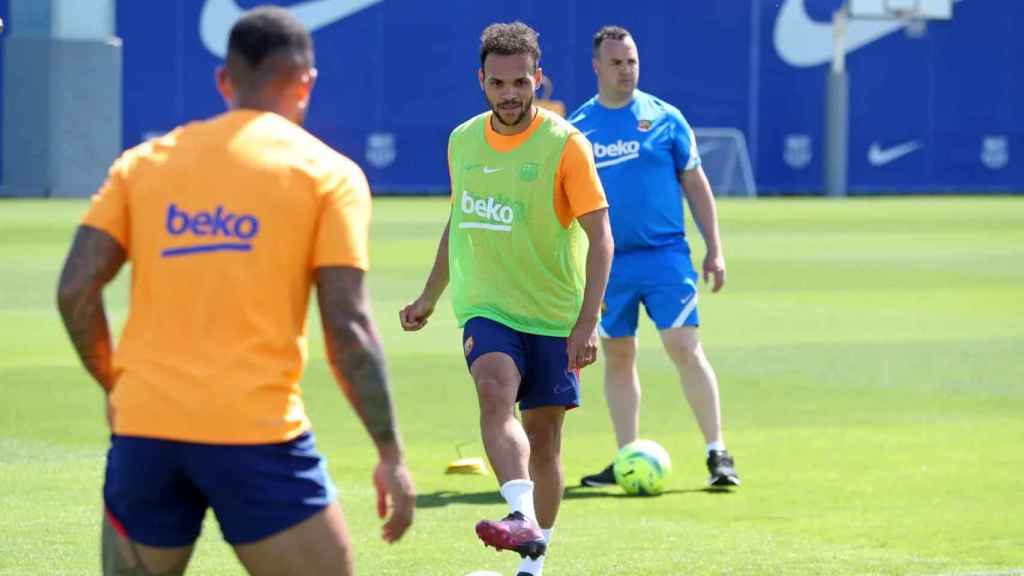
(237, 230)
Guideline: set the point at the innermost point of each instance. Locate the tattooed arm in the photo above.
(354, 350)
(93, 261)
(357, 358)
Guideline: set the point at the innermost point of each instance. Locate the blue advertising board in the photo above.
(3, 15)
(928, 115)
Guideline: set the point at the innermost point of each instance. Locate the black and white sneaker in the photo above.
(722, 470)
(605, 477)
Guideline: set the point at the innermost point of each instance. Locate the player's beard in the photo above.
(527, 106)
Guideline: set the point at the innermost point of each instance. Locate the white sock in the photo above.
(536, 567)
(717, 445)
(519, 495)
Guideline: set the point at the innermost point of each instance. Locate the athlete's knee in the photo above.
(545, 440)
(544, 446)
(688, 356)
(494, 395)
(684, 347)
(620, 352)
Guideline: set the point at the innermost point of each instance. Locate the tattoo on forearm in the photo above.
(93, 261)
(354, 350)
(363, 369)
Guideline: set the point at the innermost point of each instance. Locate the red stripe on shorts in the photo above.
(115, 523)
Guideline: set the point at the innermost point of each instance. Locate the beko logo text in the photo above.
(240, 229)
(618, 148)
(501, 215)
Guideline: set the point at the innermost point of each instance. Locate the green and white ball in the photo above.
(642, 468)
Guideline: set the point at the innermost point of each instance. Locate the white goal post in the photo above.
(726, 161)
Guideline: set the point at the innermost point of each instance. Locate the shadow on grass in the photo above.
(443, 498)
(581, 493)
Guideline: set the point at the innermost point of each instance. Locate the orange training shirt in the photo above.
(224, 222)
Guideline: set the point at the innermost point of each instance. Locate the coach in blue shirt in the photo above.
(644, 149)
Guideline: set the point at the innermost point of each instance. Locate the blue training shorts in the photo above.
(542, 362)
(157, 491)
(665, 283)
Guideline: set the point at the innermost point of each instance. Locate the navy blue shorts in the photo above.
(157, 491)
(542, 362)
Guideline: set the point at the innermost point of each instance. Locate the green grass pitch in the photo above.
(870, 357)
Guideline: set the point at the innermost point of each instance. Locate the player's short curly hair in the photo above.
(263, 39)
(508, 39)
(609, 33)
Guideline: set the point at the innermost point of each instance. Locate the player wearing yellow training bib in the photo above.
(527, 251)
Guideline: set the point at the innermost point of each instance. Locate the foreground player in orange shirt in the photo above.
(228, 223)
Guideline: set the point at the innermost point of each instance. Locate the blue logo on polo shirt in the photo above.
(234, 231)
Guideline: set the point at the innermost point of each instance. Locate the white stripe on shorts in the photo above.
(687, 310)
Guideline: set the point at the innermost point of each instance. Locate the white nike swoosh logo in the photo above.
(803, 42)
(879, 156)
(218, 16)
(618, 160)
(492, 170)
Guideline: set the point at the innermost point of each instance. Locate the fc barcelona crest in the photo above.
(528, 172)
(995, 152)
(643, 125)
(381, 150)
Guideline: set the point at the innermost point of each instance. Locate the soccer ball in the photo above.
(642, 467)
